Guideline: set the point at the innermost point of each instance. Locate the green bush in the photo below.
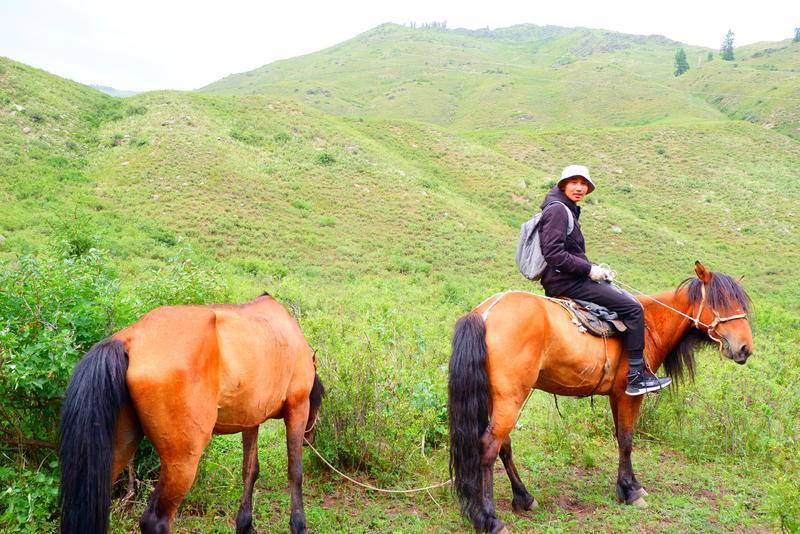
(384, 408)
(180, 282)
(324, 158)
(29, 498)
(53, 310)
(246, 137)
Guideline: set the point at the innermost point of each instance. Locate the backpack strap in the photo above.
(570, 219)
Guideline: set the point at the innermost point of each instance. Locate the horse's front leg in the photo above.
(296, 418)
(626, 413)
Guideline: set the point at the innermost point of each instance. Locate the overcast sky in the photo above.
(164, 44)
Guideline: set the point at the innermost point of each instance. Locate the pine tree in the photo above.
(796, 35)
(710, 56)
(726, 52)
(681, 65)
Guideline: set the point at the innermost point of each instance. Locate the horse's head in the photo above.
(721, 309)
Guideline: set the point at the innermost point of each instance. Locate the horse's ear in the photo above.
(702, 273)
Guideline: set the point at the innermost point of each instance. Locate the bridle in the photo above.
(711, 328)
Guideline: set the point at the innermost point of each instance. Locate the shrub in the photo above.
(246, 137)
(29, 497)
(324, 158)
(53, 310)
(180, 282)
(75, 237)
(36, 116)
(135, 110)
(407, 265)
(258, 267)
(383, 404)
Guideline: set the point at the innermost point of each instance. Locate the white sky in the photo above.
(180, 44)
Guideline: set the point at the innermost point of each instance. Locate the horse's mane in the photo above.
(722, 293)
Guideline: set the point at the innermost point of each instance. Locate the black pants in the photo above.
(615, 299)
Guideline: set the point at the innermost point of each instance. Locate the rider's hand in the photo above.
(600, 273)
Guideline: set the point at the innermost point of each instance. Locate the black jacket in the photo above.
(565, 254)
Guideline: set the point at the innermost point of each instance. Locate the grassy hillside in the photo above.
(534, 77)
(380, 220)
(50, 131)
(525, 76)
(762, 85)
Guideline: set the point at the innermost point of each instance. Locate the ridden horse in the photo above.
(504, 348)
(177, 376)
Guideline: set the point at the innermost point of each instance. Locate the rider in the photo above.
(570, 274)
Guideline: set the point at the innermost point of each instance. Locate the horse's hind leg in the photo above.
(179, 423)
(522, 500)
(244, 518)
(504, 414)
(296, 418)
(127, 435)
(178, 469)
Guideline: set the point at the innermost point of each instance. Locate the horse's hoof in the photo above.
(498, 527)
(639, 503)
(643, 492)
(523, 504)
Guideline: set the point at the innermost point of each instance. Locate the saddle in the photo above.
(593, 318)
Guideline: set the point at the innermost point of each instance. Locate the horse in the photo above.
(518, 341)
(178, 375)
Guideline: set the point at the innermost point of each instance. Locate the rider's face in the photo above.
(576, 188)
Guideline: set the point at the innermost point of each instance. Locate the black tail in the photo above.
(94, 397)
(317, 392)
(315, 400)
(469, 413)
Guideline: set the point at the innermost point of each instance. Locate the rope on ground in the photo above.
(373, 488)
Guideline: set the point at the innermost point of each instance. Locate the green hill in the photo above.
(762, 85)
(377, 188)
(540, 77)
(532, 77)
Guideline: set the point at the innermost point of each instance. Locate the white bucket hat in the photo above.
(571, 171)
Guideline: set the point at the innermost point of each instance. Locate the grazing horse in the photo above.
(515, 342)
(177, 376)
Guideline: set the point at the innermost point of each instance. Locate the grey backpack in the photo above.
(530, 259)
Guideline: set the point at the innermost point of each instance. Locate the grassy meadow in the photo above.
(376, 189)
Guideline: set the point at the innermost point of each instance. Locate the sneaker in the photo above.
(645, 382)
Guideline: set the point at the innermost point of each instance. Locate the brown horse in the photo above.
(513, 343)
(177, 376)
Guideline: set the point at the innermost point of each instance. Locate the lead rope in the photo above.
(696, 321)
(369, 487)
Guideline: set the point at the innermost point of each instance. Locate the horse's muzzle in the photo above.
(741, 356)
